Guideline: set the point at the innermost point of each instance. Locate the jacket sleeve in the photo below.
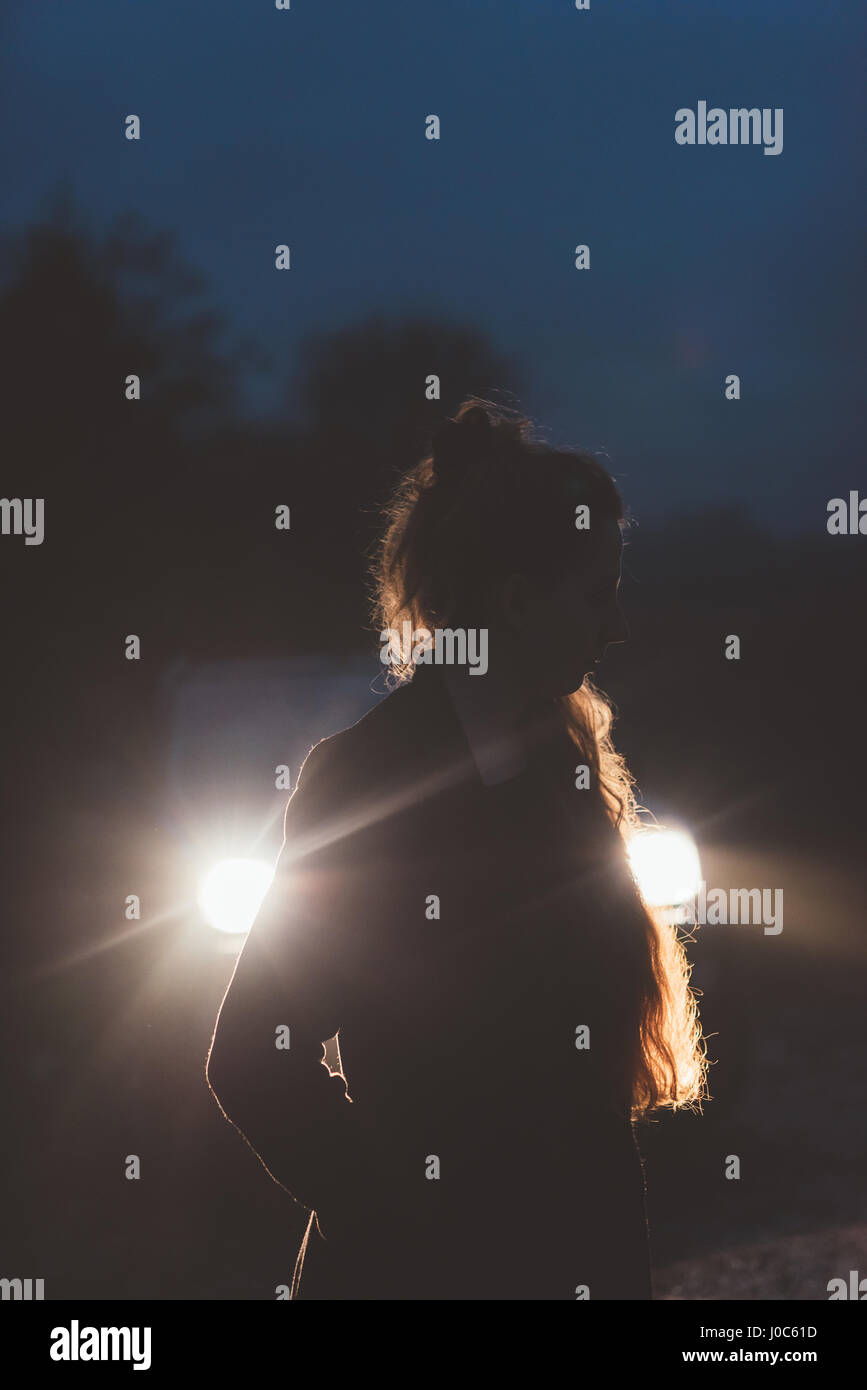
(295, 973)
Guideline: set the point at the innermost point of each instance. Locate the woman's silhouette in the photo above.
(453, 900)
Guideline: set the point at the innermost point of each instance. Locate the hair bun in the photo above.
(458, 443)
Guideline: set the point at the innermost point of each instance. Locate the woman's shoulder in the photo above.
(362, 754)
(393, 762)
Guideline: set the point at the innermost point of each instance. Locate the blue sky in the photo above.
(307, 127)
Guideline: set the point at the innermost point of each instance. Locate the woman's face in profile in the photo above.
(564, 630)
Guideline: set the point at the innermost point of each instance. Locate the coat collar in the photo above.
(435, 718)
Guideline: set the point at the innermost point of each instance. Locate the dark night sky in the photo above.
(307, 127)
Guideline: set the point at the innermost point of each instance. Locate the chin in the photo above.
(568, 685)
(559, 684)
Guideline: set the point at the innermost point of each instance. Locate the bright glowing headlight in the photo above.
(666, 865)
(231, 893)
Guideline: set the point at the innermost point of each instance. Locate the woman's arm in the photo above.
(295, 973)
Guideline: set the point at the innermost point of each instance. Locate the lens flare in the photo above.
(231, 893)
(666, 865)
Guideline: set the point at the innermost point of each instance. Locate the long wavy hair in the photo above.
(445, 541)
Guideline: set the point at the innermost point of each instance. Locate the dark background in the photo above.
(307, 388)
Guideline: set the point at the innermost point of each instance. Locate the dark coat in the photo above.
(457, 1031)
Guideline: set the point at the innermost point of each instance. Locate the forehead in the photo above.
(599, 562)
(605, 549)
